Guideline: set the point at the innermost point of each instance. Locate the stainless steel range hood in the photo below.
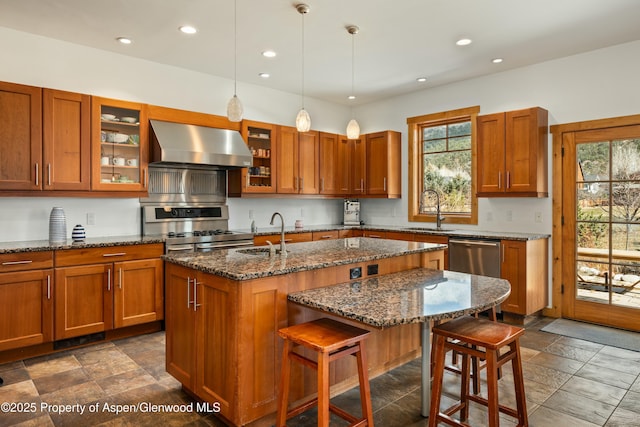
(176, 143)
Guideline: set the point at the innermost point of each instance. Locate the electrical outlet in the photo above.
(489, 216)
(509, 215)
(91, 218)
(355, 273)
(251, 214)
(372, 269)
(538, 217)
(301, 212)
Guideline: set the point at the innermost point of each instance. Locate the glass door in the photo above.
(601, 208)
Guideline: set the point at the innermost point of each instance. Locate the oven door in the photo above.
(179, 248)
(212, 246)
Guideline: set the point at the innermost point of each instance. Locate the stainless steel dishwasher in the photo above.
(475, 256)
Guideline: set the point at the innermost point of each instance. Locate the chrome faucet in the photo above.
(439, 218)
(273, 217)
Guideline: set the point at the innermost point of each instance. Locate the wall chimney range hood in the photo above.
(182, 144)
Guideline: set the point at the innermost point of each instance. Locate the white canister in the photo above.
(57, 226)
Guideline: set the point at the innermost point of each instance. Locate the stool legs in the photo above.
(365, 391)
(518, 379)
(438, 373)
(283, 392)
(323, 389)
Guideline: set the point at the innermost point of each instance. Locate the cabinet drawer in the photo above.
(326, 235)
(21, 261)
(84, 256)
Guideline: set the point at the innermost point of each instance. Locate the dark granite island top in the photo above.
(412, 296)
(245, 264)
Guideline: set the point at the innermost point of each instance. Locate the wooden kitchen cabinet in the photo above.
(201, 335)
(352, 172)
(20, 137)
(99, 289)
(444, 240)
(261, 178)
(288, 238)
(66, 141)
(330, 165)
(26, 303)
(524, 265)
(120, 138)
(297, 161)
(383, 164)
(512, 154)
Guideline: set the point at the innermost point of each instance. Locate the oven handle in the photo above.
(180, 248)
(223, 245)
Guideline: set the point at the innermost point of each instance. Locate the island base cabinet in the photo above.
(26, 317)
(223, 344)
(201, 336)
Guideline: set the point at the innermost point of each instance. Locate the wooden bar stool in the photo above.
(480, 338)
(332, 340)
(476, 364)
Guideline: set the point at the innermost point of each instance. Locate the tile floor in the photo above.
(569, 383)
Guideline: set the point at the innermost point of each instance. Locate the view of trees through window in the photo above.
(446, 150)
(608, 218)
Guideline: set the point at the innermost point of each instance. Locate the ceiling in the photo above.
(398, 41)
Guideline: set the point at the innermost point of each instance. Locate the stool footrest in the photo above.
(501, 408)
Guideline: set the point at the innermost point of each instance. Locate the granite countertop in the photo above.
(451, 232)
(242, 264)
(94, 242)
(412, 296)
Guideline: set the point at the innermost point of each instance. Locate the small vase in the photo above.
(57, 226)
(78, 233)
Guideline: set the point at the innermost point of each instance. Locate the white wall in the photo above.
(593, 85)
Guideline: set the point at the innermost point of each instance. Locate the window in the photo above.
(442, 149)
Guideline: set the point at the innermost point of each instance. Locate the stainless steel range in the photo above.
(187, 208)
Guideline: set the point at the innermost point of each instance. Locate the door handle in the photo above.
(37, 173)
(189, 293)
(195, 295)
(120, 277)
(48, 286)
(49, 174)
(109, 280)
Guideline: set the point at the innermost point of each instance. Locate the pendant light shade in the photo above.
(303, 121)
(353, 128)
(234, 107)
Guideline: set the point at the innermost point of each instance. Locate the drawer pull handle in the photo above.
(325, 237)
(17, 262)
(115, 254)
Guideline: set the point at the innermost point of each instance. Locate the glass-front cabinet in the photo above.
(260, 178)
(120, 145)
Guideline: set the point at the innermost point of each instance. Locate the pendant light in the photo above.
(353, 128)
(303, 121)
(234, 107)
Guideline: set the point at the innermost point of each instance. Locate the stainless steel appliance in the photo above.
(187, 207)
(351, 212)
(475, 256)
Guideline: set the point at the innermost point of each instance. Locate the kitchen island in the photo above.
(224, 308)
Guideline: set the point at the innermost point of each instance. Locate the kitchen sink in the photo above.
(432, 230)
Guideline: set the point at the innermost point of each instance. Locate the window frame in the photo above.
(416, 164)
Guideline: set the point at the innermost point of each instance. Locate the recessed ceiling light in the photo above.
(265, 75)
(496, 60)
(463, 42)
(124, 40)
(188, 29)
(351, 97)
(421, 79)
(268, 54)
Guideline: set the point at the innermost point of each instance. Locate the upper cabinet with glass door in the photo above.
(120, 152)
(261, 177)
